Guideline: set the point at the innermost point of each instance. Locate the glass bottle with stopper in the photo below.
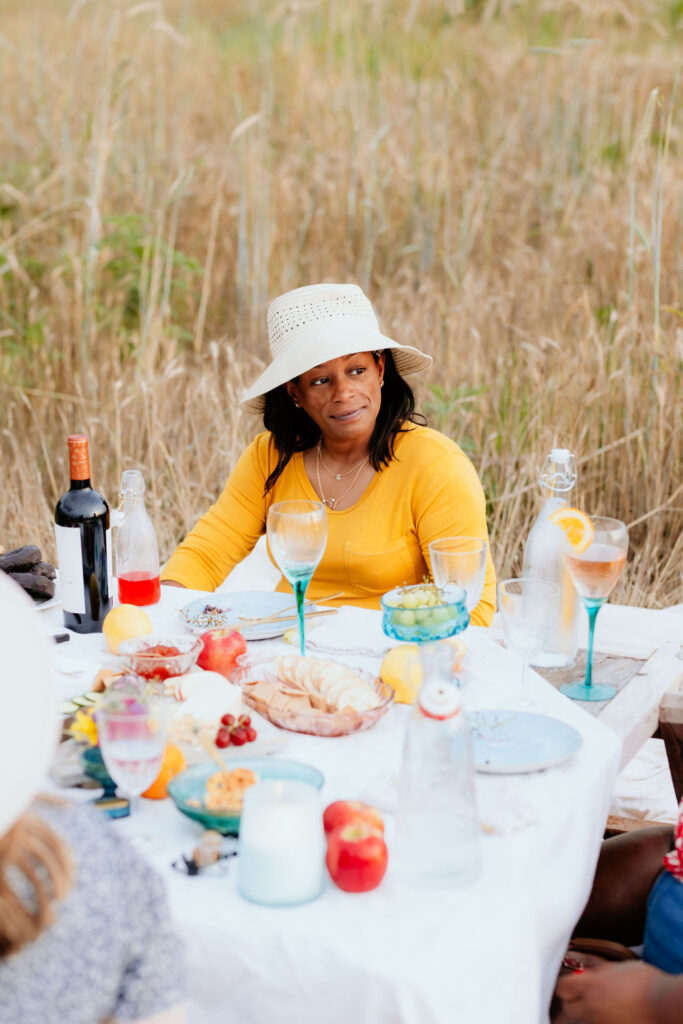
(135, 544)
(544, 559)
(437, 828)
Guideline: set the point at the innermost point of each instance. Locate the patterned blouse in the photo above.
(111, 950)
(673, 861)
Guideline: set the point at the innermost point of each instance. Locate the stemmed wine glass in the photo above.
(460, 561)
(595, 572)
(131, 734)
(297, 534)
(528, 607)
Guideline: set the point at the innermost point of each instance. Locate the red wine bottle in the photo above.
(83, 546)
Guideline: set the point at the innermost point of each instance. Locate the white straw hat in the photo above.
(28, 709)
(310, 325)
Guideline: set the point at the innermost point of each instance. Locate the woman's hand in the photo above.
(626, 993)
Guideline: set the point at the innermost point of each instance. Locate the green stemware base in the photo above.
(579, 691)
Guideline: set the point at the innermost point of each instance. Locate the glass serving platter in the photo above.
(313, 721)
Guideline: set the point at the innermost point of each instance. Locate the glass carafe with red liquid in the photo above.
(135, 544)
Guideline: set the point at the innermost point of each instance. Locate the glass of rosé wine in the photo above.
(595, 572)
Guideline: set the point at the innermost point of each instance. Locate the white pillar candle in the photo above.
(281, 843)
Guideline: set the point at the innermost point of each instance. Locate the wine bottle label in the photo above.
(70, 562)
(110, 548)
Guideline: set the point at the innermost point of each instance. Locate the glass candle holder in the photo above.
(281, 843)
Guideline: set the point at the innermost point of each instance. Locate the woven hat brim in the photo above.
(408, 361)
(29, 722)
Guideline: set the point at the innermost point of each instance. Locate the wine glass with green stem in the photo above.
(595, 572)
(297, 534)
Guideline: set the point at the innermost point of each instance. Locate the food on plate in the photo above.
(25, 567)
(345, 812)
(326, 685)
(197, 719)
(356, 857)
(172, 763)
(125, 622)
(104, 678)
(237, 732)
(225, 790)
(220, 650)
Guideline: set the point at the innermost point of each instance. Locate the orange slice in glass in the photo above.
(577, 527)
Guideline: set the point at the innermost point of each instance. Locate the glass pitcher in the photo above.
(135, 544)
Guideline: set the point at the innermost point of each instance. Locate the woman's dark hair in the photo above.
(293, 429)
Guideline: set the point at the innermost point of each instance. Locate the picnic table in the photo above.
(489, 951)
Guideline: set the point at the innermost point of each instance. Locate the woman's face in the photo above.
(342, 396)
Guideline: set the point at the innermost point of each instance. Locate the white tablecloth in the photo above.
(488, 952)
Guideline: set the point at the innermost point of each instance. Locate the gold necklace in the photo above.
(338, 476)
(332, 503)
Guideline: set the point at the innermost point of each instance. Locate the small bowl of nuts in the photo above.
(424, 612)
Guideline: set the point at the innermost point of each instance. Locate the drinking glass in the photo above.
(528, 607)
(461, 561)
(132, 741)
(594, 572)
(297, 534)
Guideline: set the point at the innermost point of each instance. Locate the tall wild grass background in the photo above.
(503, 178)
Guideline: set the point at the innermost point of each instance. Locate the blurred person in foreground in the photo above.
(637, 898)
(341, 428)
(85, 935)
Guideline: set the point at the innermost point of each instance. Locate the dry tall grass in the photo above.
(504, 178)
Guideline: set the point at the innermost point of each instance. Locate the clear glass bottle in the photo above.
(437, 829)
(544, 558)
(135, 544)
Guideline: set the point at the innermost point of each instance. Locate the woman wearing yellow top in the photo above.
(341, 428)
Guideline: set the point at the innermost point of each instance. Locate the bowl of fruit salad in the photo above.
(424, 612)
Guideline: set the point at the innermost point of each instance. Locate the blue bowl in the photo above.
(188, 788)
(421, 623)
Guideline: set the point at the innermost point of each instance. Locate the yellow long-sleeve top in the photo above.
(429, 490)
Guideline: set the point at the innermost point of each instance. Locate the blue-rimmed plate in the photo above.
(188, 788)
(511, 742)
(233, 611)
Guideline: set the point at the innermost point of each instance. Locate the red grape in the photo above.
(223, 738)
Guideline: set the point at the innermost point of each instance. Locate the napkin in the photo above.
(354, 631)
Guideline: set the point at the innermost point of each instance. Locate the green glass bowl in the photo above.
(423, 623)
(190, 785)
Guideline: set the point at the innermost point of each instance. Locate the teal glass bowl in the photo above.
(188, 788)
(421, 622)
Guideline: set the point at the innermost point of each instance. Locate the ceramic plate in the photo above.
(188, 789)
(509, 742)
(233, 609)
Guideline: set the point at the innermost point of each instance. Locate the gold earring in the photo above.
(381, 383)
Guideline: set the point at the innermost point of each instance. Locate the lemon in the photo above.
(401, 670)
(122, 623)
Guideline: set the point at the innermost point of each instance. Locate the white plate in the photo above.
(511, 742)
(43, 606)
(248, 603)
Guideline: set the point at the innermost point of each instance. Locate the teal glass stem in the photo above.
(592, 606)
(299, 586)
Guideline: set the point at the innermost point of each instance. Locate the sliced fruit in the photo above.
(577, 527)
(173, 762)
(123, 623)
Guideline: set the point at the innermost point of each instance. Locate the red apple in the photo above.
(345, 812)
(356, 857)
(221, 649)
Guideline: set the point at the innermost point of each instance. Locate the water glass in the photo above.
(460, 561)
(132, 742)
(297, 535)
(528, 608)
